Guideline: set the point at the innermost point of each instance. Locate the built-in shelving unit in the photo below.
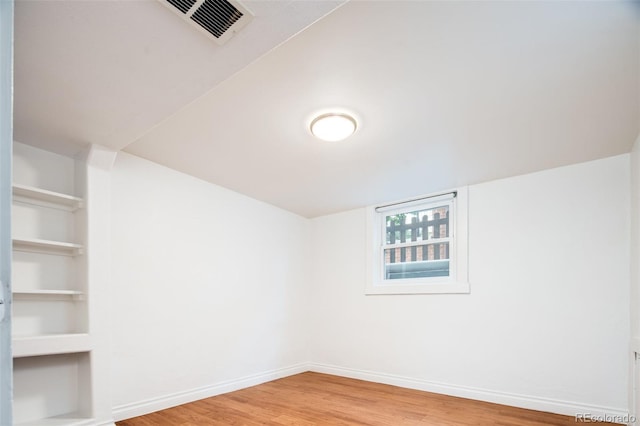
(52, 344)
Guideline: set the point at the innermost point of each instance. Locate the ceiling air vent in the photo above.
(219, 19)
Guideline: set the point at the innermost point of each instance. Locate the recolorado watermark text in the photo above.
(600, 418)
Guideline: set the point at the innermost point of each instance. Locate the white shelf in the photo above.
(47, 246)
(53, 344)
(47, 295)
(65, 420)
(30, 194)
(49, 292)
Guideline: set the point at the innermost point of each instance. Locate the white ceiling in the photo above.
(446, 93)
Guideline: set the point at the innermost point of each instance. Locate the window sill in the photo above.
(436, 288)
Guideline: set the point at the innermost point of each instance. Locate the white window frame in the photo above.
(456, 282)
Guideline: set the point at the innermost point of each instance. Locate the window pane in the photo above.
(429, 260)
(421, 253)
(419, 225)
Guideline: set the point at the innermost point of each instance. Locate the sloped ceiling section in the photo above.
(447, 94)
(107, 71)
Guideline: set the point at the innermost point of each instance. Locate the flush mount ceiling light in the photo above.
(333, 126)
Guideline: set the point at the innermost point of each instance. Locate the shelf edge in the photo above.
(27, 193)
(53, 344)
(46, 246)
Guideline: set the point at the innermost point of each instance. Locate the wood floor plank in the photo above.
(311, 399)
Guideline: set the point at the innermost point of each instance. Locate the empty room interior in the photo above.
(209, 196)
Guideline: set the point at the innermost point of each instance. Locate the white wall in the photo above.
(546, 324)
(196, 310)
(209, 289)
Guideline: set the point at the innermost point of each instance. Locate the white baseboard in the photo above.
(140, 408)
(515, 400)
(522, 401)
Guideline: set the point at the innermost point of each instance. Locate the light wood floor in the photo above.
(320, 399)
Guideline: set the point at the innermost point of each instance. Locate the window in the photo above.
(419, 246)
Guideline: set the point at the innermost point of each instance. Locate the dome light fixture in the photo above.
(333, 126)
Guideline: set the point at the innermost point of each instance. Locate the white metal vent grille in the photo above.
(183, 5)
(219, 19)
